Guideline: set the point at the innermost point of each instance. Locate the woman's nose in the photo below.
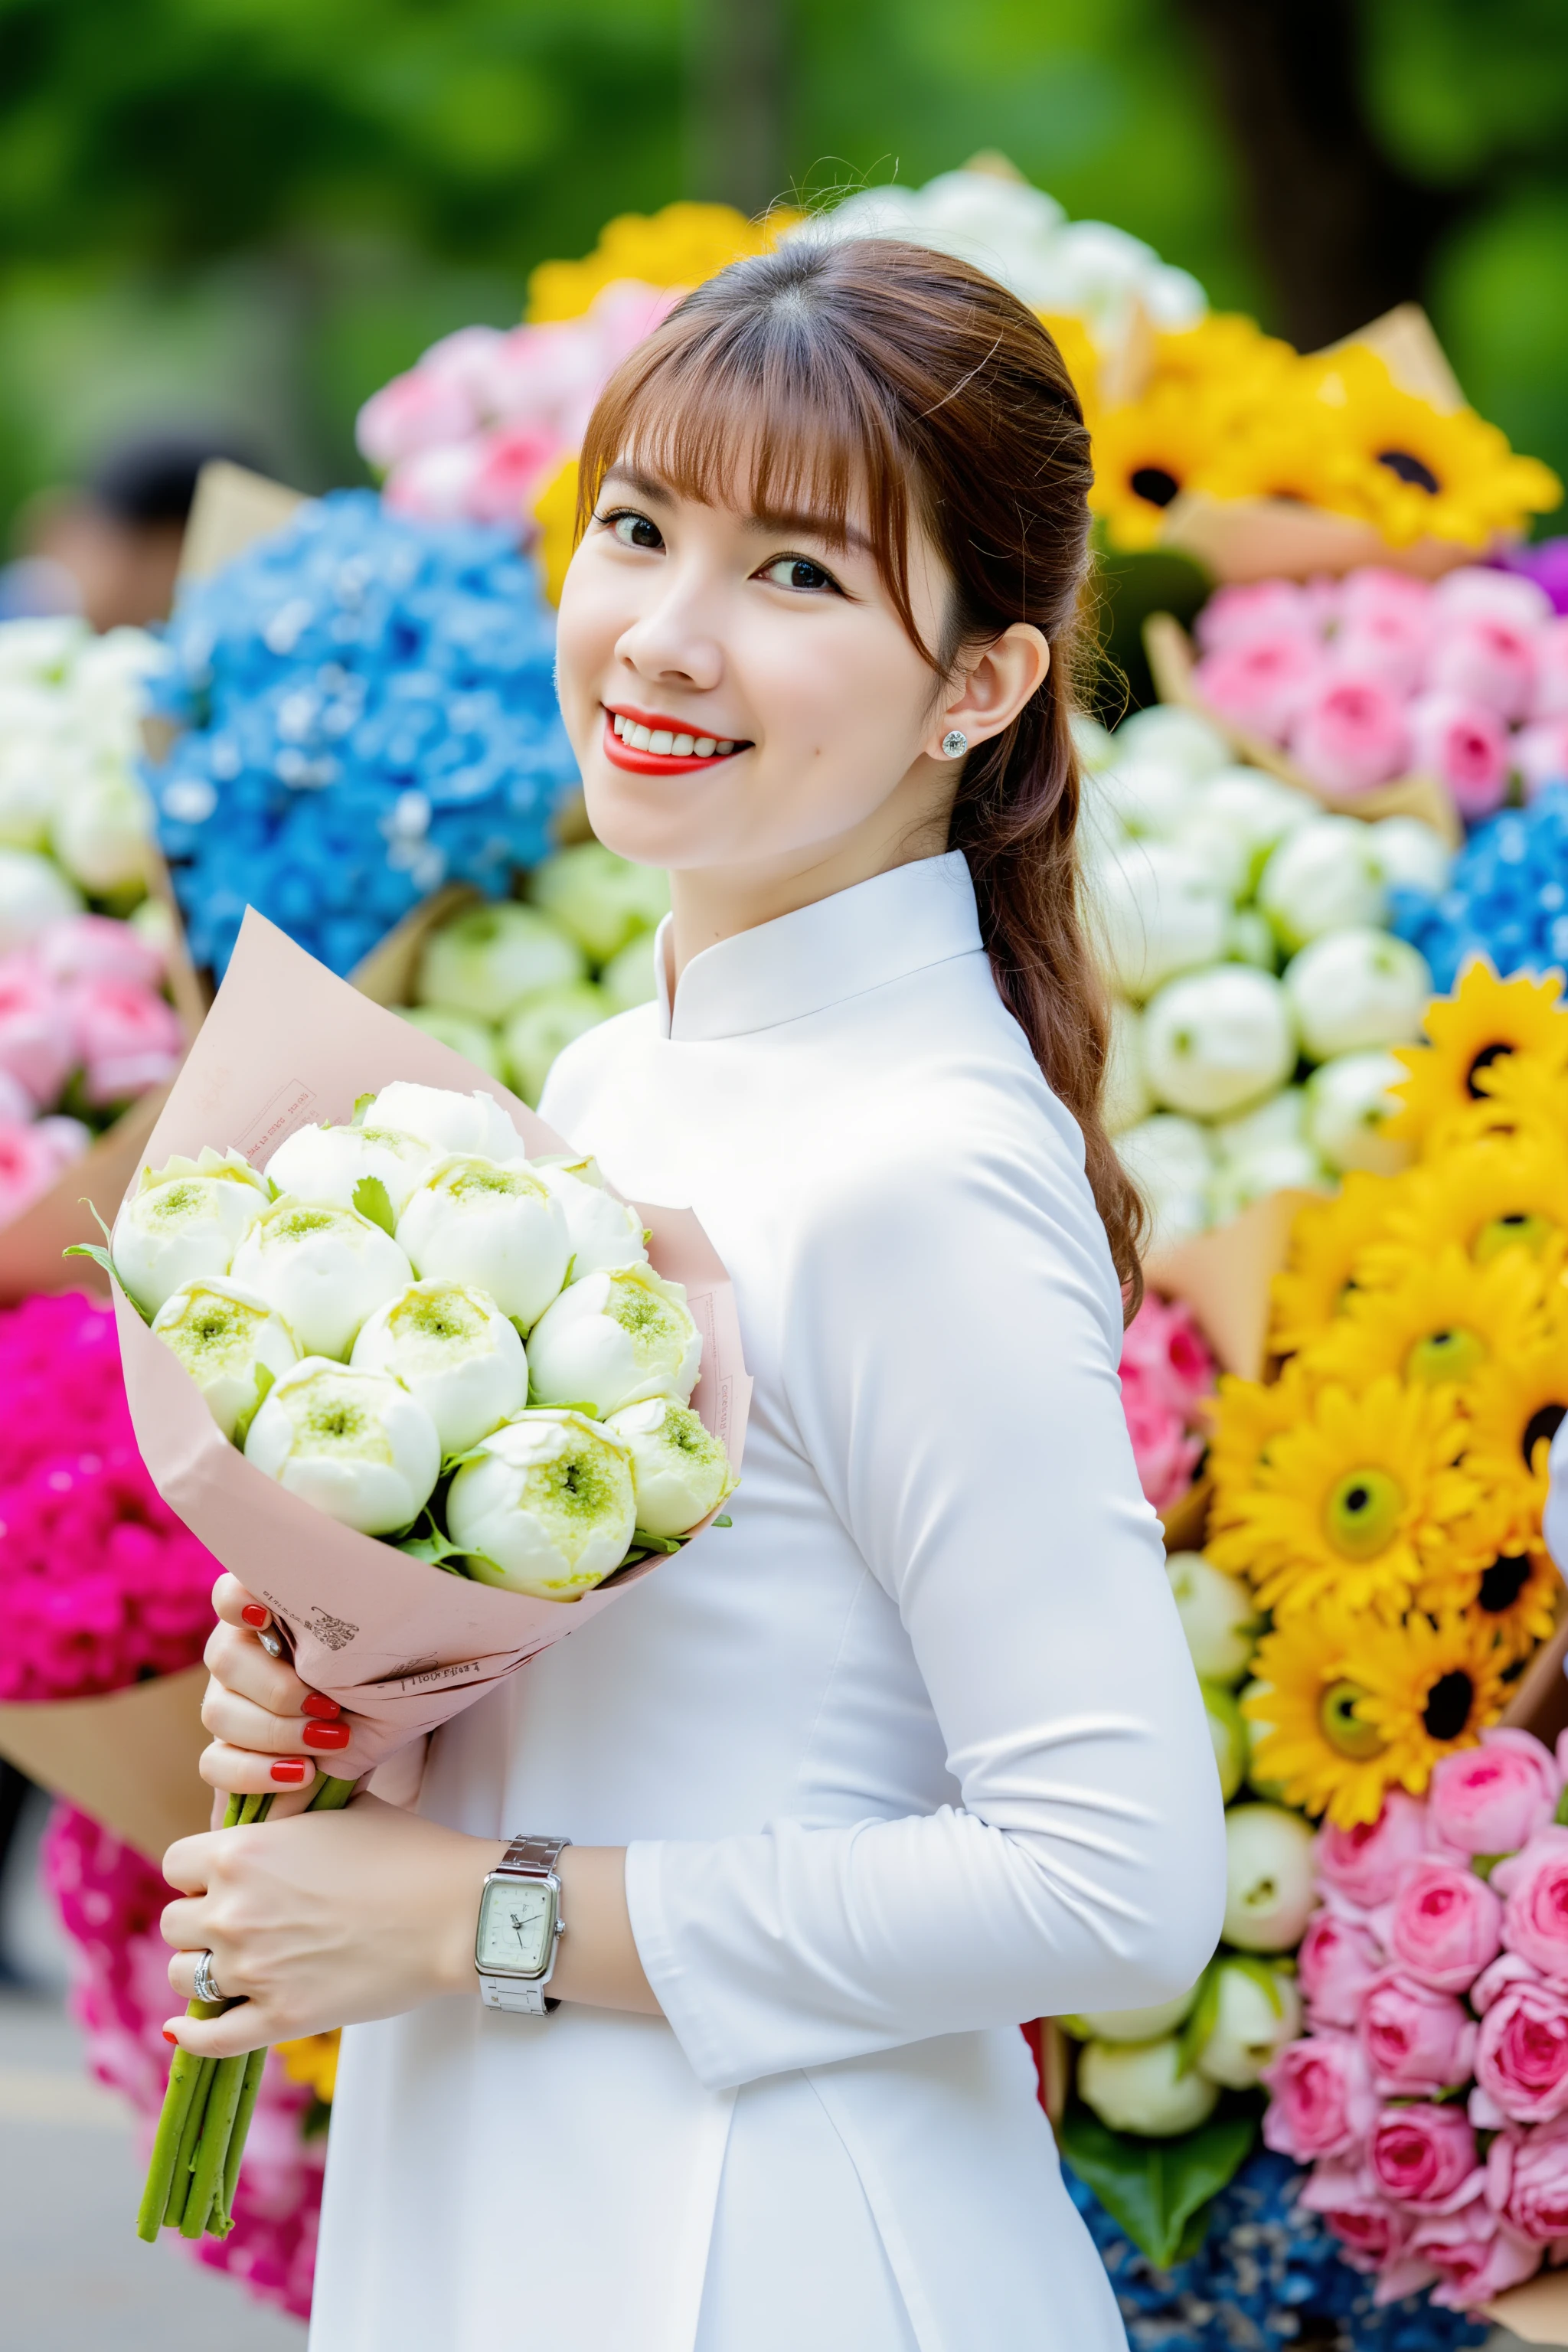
(670, 642)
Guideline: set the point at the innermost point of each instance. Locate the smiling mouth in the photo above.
(634, 741)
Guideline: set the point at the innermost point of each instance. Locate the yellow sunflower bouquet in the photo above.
(1383, 1496)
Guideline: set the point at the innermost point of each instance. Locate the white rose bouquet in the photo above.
(417, 1377)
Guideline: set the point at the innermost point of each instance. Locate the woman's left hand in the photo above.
(325, 1919)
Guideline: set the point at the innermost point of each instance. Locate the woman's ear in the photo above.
(990, 688)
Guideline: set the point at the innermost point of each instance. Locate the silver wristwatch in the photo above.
(520, 1926)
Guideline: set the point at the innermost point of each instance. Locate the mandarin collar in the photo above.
(880, 930)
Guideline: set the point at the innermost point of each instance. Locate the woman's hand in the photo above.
(270, 1731)
(320, 1921)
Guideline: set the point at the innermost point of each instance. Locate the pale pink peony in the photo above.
(28, 1166)
(1165, 1453)
(1476, 2257)
(1445, 1927)
(514, 459)
(437, 484)
(1540, 754)
(425, 409)
(1163, 1354)
(126, 1038)
(1485, 660)
(1464, 745)
(1372, 2231)
(1527, 2180)
(1534, 1887)
(36, 1039)
(1322, 2101)
(1364, 1863)
(1474, 590)
(1521, 2052)
(1391, 599)
(1424, 2157)
(1417, 2041)
(1383, 625)
(17, 1108)
(1262, 682)
(1335, 1967)
(1248, 609)
(1551, 700)
(1350, 736)
(1492, 1799)
(96, 947)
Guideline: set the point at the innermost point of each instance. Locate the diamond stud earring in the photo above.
(955, 743)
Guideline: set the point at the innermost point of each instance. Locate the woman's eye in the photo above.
(636, 530)
(798, 572)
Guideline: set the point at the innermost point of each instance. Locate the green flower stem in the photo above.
(207, 2177)
(191, 2132)
(221, 2221)
(183, 2077)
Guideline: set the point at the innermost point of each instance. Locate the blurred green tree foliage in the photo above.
(258, 209)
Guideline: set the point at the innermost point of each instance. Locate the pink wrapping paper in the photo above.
(401, 1645)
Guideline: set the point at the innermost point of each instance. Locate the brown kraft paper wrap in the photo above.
(401, 1645)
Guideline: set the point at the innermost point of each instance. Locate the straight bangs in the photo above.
(768, 413)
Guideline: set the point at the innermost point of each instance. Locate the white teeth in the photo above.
(705, 746)
(639, 737)
(682, 746)
(661, 742)
(725, 747)
(620, 724)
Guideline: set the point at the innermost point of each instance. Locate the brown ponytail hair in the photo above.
(862, 375)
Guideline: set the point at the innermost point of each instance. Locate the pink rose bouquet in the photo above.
(1167, 1372)
(1429, 2091)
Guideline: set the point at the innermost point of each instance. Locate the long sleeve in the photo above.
(950, 1363)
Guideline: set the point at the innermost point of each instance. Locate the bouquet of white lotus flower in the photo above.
(413, 1372)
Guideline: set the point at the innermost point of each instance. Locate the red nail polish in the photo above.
(326, 1734)
(171, 2037)
(285, 1770)
(254, 1615)
(317, 1703)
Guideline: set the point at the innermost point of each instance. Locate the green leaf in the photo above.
(373, 1199)
(93, 1250)
(362, 1104)
(1483, 1864)
(1158, 2191)
(243, 1419)
(723, 1520)
(566, 1278)
(1267, 1978)
(1201, 2020)
(654, 1543)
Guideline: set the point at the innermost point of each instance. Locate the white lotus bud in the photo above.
(1137, 2086)
(1323, 876)
(1227, 1731)
(1218, 1617)
(184, 1220)
(543, 1027)
(613, 1339)
(101, 831)
(680, 1472)
(1170, 1161)
(1257, 810)
(1249, 939)
(1176, 738)
(1149, 799)
(471, 1219)
(1222, 854)
(1217, 1040)
(602, 1230)
(454, 1349)
(1156, 912)
(1281, 1119)
(331, 1164)
(1269, 1882)
(600, 899)
(444, 1120)
(1356, 988)
(1348, 1099)
(231, 1343)
(547, 1509)
(474, 1039)
(1258, 2011)
(486, 960)
(323, 1270)
(1411, 855)
(1149, 2024)
(1126, 1098)
(34, 893)
(354, 1444)
(629, 978)
(1251, 1176)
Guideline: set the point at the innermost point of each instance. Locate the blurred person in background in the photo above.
(110, 549)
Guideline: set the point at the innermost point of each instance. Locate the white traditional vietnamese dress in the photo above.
(909, 1753)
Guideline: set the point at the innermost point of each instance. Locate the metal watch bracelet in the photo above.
(525, 1857)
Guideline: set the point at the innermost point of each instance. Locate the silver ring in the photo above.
(205, 1989)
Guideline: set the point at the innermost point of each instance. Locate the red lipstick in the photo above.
(622, 754)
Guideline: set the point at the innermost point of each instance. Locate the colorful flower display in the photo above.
(109, 1900)
(1258, 992)
(101, 1584)
(1429, 2090)
(367, 712)
(1167, 1372)
(1506, 897)
(1379, 675)
(85, 1026)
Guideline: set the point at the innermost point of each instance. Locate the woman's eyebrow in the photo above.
(773, 520)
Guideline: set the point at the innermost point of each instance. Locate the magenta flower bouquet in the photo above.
(1167, 1372)
(1429, 2094)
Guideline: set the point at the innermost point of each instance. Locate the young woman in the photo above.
(913, 1750)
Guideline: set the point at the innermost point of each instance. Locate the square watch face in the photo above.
(517, 1925)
